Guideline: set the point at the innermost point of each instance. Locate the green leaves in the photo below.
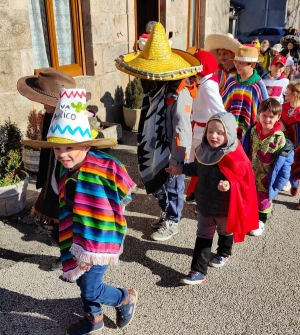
(134, 94)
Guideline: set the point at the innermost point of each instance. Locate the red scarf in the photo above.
(277, 126)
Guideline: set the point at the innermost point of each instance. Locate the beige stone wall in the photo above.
(111, 34)
(292, 14)
(214, 18)
(109, 31)
(16, 59)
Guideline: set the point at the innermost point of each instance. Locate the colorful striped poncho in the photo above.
(242, 99)
(94, 232)
(223, 75)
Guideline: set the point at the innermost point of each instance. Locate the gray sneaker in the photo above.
(57, 265)
(158, 224)
(166, 231)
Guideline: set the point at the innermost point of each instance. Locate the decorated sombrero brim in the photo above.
(70, 126)
(157, 61)
(213, 42)
(100, 143)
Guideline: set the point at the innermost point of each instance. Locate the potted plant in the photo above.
(133, 102)
(13, 180)
(31, 156)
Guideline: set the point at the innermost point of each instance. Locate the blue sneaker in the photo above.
(193, 278)
(218, 261)
(89, 325)
(125, 312)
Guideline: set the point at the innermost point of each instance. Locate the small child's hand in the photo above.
(174, 170)
(223, 185)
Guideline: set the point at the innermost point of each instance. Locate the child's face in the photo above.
(290, 46)
(216, 135)
(275, 52)
(225, 57)
(71, 157)
(268, 120)
(244, 69)
(289, 95)
(264, 46)
(276, 70)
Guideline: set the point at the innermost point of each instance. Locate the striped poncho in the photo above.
(94, 232)
(223, 75)
(242, 99)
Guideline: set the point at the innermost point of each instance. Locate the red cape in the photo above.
(243, 206)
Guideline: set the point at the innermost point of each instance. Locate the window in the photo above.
(257, 32)
(272, 31)
(57, 37)
(193, 24)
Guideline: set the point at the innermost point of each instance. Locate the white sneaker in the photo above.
(259, 230)
(287, 187)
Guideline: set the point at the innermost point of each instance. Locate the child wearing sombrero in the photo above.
(44, 89)
(223, 47)
(93, 190)
(164, 134)
(244, 92)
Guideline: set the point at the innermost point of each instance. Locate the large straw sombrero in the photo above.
(290, 39)
(157, 61)
(214, 42)
(70, 126)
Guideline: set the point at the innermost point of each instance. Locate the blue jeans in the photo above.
(94, 292)
(171, 196)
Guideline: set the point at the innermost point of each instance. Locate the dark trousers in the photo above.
(262, 217)
(205, 232)
(171, 197)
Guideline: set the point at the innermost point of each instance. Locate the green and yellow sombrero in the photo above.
(157, 61)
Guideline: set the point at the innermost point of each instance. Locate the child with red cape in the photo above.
(225, 195)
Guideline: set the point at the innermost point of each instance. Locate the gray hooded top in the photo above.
(210, 201)
(207, 155)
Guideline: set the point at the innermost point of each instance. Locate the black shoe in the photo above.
(190, 199)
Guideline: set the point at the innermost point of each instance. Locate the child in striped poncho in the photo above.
(93, 190)
(244, 92)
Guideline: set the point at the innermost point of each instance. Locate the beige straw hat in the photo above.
(247, 54)
(214, 42)
(157, 61)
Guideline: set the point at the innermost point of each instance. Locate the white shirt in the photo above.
(207, 103)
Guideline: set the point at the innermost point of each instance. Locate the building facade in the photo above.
(83, 37)
(257, 14)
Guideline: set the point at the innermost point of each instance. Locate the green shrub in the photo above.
(10, 154)
(134, 94)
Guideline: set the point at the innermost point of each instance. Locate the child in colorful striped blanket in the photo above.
(243, 93)
(93, 190)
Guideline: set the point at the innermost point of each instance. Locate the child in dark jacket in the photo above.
(271, 155)
(225, 195)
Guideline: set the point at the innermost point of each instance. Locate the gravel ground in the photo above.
(256, 293)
